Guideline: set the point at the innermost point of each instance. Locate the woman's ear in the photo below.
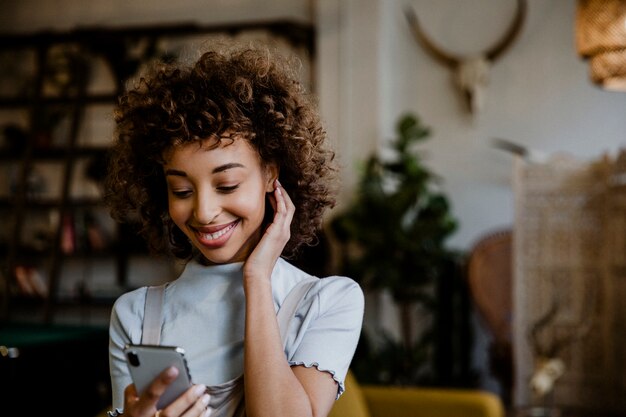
(271, 175)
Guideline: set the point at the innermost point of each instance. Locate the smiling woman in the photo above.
(199, 153)
(216, 196)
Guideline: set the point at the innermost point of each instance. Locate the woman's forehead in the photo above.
(222, 147)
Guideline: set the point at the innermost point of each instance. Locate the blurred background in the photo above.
(482, 204)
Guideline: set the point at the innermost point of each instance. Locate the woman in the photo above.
(225, 163)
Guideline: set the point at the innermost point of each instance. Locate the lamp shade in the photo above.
(601, 39)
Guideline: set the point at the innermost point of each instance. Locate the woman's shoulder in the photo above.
(340, 292)
(127, 317)
(130, 303)
(328, 290)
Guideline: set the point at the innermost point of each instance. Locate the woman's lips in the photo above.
(215, 237)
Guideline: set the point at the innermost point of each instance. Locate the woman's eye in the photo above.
(181, 193)
(227, 188)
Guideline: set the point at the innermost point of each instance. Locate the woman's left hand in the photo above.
(261, 261)
(192, 403)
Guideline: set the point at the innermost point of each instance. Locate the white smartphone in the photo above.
(146, 362)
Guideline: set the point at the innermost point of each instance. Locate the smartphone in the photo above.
(146, 362)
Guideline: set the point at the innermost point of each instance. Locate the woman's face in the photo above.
(217, 197)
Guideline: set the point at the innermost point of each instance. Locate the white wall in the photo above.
(349, 79)
(28, 15)
(539, 96)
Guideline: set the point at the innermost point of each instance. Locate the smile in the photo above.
(216, 238)
(210, 236)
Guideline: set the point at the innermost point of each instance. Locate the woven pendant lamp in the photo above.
(601, 39)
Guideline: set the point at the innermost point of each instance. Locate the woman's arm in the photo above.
(272, 387)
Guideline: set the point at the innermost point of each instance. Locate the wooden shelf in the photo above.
(47, 204)
(25, 102)
(56, 153)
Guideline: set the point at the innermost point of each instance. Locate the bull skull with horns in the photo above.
(470, 73)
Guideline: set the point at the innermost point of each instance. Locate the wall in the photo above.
(29, 15)
(539, 96)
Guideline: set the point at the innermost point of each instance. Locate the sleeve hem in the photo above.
(340, 384)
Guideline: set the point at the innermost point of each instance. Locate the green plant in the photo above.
(393, 238)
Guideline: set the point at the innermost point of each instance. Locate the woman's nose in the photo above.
(206, 208)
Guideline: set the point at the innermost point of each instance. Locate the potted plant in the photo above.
(393, 237)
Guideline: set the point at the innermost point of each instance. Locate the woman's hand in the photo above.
(261, 261)
(192, 403)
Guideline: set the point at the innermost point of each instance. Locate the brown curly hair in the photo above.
(250, 91)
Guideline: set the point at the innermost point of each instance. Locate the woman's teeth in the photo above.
(211, 236)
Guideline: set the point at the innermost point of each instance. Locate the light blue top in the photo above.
(204, 312)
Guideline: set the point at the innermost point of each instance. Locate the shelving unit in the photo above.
(54, 98)
(52, 149)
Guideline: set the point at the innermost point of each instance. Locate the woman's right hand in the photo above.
(261, 261)
(192, 403)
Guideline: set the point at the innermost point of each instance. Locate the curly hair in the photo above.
(249, 91)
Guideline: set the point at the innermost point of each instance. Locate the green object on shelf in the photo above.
(59, 359)
(28, 335)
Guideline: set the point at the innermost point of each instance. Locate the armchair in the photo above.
(382, 401)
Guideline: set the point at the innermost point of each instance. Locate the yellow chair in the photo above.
(383, 401)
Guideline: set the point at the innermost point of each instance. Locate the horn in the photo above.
(534, 333)
(507, 40)
(452, 61)
(437, 53)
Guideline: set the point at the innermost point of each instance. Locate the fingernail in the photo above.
(207, 412)
(172, 371)
(278, 183)
(199, 389)
(205, 399)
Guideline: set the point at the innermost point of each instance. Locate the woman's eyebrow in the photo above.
(175, 172)
(216, 170)
(224, 167)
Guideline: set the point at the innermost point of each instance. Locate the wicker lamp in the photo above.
(601, 38)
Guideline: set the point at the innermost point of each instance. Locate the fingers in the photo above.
(130, 396)
(279, 231)
(145, 405)
(159, 385)
(130, 392)
(200, 407)
(261, 261)
(193, 403)
(284, 206)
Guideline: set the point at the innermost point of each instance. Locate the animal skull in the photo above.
(472, 77)
(547, 346)
(470, 74)
(547, 371)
